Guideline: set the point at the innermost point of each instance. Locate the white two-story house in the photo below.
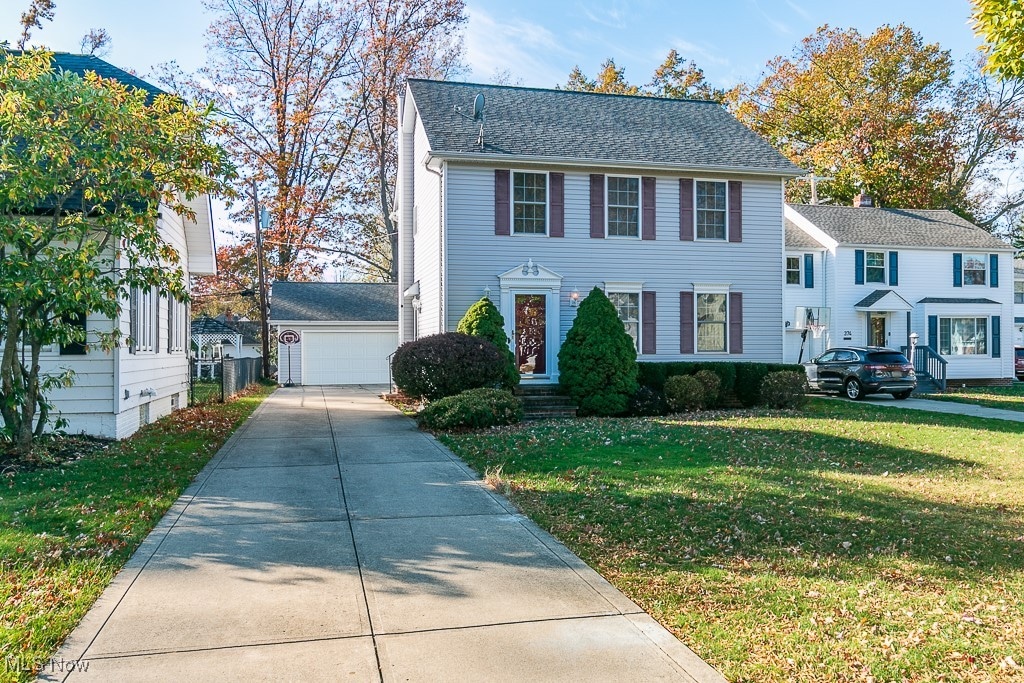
(875, 276)
(147, 376)
(534, 197)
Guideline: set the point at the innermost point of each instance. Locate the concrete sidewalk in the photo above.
(950, 407)
(331, 540)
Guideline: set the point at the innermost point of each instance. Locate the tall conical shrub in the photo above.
(597, 361)
(484, 320)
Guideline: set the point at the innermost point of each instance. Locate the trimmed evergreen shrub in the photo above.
(712, 385)
(684, 393)
(748, 382)
(597, 361)
(446, 364)
(647, 402)
(484, 320)
(472, 409)
(784, 389)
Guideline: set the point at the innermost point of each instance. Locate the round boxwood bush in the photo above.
(446, 364)
(712, 385)
(473, 409)
(647, 402)
(784, 389)
(684, 393)
(484, 320)
(597, 361)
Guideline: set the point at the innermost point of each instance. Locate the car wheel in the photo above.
(901, 395)
(854, 391)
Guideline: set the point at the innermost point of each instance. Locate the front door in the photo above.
(876, 331)
(531, 331)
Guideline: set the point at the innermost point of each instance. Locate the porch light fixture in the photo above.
(487, 291)
(530, 267)
(574, 297)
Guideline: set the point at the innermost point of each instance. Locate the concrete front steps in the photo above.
(543, 402)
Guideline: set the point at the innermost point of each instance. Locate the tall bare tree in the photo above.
(33, 17)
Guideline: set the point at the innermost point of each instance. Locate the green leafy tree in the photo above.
(1001, 24)
(597, 361)
(86, 164)
(484, 320)
(676, 78)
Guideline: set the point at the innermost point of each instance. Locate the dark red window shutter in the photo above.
(649, 327)
(650, 186)
(502, 210)
(686, 209)
(556, 204)
(596, 205)
(735, 211)
(686, 322)
(735, 322)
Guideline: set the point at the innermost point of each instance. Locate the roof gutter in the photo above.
(490, 159)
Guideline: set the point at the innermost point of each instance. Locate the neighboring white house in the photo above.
(882, 274)
(536, 196)
(340, 332)
(1018, 303)
(116, 392)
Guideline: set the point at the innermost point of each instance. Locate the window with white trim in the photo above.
(711, 207)
(712, 318)
(529, 203)
(874, 266)
(627, 305)
(963, 336)
(143, 319)
(793, 270)
(176, 322)
(1018, 292)
(975, 269)
(623, 206)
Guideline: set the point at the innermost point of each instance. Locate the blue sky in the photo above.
(539, 41)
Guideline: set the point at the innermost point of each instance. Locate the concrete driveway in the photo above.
(331, 540)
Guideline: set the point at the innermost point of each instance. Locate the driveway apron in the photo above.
(331, 540)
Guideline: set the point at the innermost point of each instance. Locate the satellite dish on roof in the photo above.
(478, 107)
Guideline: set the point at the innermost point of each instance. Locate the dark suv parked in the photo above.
(858, 371)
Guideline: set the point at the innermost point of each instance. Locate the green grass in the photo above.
(1007, 398)
(65, 531)
(837, 544)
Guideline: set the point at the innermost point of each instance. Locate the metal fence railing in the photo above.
(219, 380)
(238, 373)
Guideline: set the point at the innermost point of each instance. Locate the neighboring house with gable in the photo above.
(147, 376)
(672, 207)
(882, 274)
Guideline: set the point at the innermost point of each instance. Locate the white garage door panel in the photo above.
(346, 357)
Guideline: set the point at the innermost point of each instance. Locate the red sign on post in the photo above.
(288, 337)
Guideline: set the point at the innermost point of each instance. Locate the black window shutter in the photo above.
(596, 205)
(686, 322)
(735, 322)
(933, 332)
(649, 329)
(735, 211)
(502, 210)
(686, 209)
(649, 188)
(556, 204)
(993, 266)
(996, 338)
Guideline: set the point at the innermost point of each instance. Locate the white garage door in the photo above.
(356, 357)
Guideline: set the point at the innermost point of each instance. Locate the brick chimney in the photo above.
(863, 200)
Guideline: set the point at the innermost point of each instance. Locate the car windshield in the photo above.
(890, 358)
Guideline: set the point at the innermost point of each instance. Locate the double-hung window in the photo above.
(529, 203)
(712, 319)
(963, 336)
(623, 206)
(1018, 292)
(175, 325)
(143, 319)
(874, 266)
(627, 305)
(711, 209)
(792, 270)
(975, 269)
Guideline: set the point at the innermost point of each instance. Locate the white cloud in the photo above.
(526, 50)
(804, 14)
(702, 55)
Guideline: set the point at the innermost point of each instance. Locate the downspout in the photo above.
(442, 247)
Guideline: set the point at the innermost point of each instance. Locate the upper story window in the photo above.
(975, 269)
(792, 270)
(623, 206)
(529, 203)
(874, 266)
(1018, 292)
(711, 209)
(627, 305)
(711, 322)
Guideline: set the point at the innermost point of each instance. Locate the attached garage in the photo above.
(334, 332)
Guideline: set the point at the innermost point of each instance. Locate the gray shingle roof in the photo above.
(80, 64)
(898, 227)
(872, 298)
(564, 124)
(799, 239)
(334, 301)
(953, 300)
(204, 324)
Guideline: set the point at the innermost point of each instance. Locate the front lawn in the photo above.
(844, 543)
(66, 529)
(1007, 398)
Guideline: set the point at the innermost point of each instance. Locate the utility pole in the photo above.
(261, 274)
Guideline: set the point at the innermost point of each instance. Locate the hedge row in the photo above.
(741, 379)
